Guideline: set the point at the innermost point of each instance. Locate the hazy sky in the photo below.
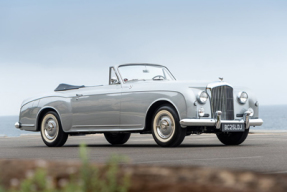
(44, 43)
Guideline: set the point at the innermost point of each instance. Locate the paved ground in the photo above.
(260, 152)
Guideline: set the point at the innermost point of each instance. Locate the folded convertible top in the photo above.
(65, 87)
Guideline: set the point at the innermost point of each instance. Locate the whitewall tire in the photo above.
(51, 130)
(166, 129)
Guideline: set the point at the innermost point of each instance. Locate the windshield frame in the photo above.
(143, 64)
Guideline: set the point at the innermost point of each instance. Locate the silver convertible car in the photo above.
(146, 99)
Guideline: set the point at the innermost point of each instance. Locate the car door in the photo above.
(134, 104)
(97, 108)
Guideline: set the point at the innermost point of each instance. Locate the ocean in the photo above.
(274, 118)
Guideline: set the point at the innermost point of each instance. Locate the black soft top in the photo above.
(65, 87)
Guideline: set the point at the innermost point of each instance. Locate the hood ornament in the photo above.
(221, 78)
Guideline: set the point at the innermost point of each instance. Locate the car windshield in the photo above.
(145, 72)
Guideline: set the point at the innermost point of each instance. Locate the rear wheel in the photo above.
(117, 138)
(232, 138)
(166, 129)
(51, 130)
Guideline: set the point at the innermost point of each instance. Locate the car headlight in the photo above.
(242, 97)
(202, 97)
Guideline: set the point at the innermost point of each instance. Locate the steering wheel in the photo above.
(159, 77)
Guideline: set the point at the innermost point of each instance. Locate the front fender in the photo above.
(62, 106)
(28, 114)
(193, 105)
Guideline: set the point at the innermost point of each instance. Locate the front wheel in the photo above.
(166, 129)
(117, 138)
(51, 130)
(232, 138)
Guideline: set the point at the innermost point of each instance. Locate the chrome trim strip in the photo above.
(90, 126)
(130, 125)
(106, 130)
(27, 125)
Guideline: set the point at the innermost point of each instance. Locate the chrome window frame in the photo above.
(136, 64)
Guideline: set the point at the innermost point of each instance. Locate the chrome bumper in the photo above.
(217, 122)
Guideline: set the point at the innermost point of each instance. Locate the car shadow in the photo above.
(152, 145)
(155, 146)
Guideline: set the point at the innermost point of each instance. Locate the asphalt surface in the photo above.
(265, 152)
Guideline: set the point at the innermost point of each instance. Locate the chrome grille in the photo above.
(222, 100)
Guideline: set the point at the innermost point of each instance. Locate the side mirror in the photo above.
(114, 80)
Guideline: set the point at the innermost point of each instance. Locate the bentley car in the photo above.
(146, 99)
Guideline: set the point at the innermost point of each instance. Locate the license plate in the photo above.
(232, 127)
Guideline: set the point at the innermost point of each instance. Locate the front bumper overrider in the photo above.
(217, 122)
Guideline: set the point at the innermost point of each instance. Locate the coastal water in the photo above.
(8, 129)
(274, 117)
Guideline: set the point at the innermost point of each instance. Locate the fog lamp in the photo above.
(201, 112)
(251, 112)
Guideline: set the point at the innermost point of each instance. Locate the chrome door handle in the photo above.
(128, 87)
(78, 96)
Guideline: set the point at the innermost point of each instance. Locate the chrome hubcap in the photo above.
(51, 129)
(165, 126)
